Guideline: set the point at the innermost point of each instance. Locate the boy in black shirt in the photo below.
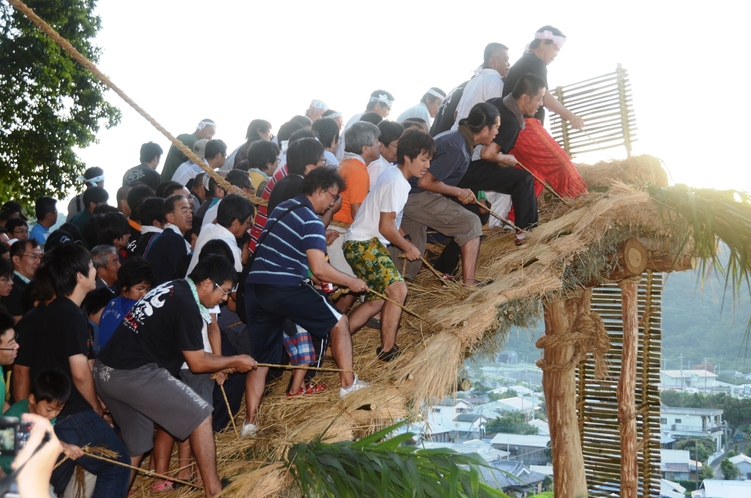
(61, 342)
(136, 372)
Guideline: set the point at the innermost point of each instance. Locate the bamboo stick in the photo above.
(304, 367)
(544, 183)
(146, 472)
(229, 410)
(406, 310)
(435, 272)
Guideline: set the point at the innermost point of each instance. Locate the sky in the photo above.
(237, 61)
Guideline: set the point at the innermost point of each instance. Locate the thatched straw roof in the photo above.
(574, 245)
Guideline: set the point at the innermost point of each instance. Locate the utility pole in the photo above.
(681, 357)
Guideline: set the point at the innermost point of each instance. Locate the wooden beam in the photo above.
(569, 478)
(627, 388)
(632, 260)
(669, 263)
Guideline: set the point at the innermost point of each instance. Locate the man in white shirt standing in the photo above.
(214, 157)
(427, 108)
(378, 224)
(488, 84)
(380, 102)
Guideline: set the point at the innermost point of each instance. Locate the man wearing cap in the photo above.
(427, 108)
(206, 129)
(92, 177)
(487, 84)
(316, 110)
(46, 213)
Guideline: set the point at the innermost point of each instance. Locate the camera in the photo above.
(13, 435)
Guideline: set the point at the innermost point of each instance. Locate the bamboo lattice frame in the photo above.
(606, 106)
(597, 404)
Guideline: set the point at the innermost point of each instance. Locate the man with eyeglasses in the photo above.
(8, 349)
(136, 373)
(17, 229)
(26, 255)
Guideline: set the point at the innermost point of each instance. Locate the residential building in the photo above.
(743, 463)
(532, 450)
(692, 379)
(717, 488)
(670, 489)
(675, 465)
(513, 478)
(692, 422)
(485, 450)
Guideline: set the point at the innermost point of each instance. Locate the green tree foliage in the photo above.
(737, 412)
(50, 104)
(508, 394)
(729, 470)
(707, 472)
(706, 447)
(510, 423)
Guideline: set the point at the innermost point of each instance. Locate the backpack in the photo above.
(240, 293)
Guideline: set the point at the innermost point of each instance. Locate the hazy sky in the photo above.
(236, 61)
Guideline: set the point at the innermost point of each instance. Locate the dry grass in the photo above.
(575, 243)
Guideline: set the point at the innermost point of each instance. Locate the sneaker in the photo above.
(520, 239)
(249, 429)
(388, 355)
(356, 385)
(312, 388)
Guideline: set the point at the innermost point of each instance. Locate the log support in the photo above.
(627, 388)
(559, 384)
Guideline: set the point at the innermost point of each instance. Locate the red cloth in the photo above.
(542, 155)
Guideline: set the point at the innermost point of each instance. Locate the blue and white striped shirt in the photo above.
(281, 258)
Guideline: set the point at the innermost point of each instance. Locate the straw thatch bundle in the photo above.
(575, 247)
(640, 171)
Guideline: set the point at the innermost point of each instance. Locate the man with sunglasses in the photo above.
(136, 373)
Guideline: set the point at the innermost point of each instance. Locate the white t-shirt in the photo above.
(331, 159)
(215, 231)
(376, 169)
(210, 215)
(389, 195)
(186, 172)
(340, 148)
(485, 86)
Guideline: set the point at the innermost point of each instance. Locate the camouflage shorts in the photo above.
(372, 263)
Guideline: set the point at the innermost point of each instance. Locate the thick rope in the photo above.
(590, 337)
(81, 59)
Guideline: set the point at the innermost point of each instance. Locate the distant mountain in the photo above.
(695, 324)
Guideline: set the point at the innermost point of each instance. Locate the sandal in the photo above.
(388, 355)
(165, 486)
(315, 388)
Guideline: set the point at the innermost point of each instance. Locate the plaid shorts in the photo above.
(371, 262)
(300, 347)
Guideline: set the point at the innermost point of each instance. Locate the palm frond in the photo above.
(710, 217)
(377, 466)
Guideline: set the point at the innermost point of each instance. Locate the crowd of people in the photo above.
(120, 325)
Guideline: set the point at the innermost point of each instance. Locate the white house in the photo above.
(543, 429)
(670, 489)
(485, 450)
(693, 379)
(692, 422)
(716, 488)
(455, 414)
(744, 465)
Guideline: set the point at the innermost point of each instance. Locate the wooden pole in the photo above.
(559, 384)
(627, 388)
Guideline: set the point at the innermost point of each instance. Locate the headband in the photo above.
(203, 124)
(92, 181)
(317, 104)
(334, 115)
(436, 94)
(548, 35)
(383, 99)
(206, 180)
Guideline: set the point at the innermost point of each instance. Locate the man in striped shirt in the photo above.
(293, 247)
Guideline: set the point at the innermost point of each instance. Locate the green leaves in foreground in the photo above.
(367, 468)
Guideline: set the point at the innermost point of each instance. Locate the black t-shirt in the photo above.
(13, 302)
(284, 190)
(528, 64)
(508, 132)
(450, 162)
(163, 324)
(444, 118)
(63, 332)
(143, 174)
(28, 329)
